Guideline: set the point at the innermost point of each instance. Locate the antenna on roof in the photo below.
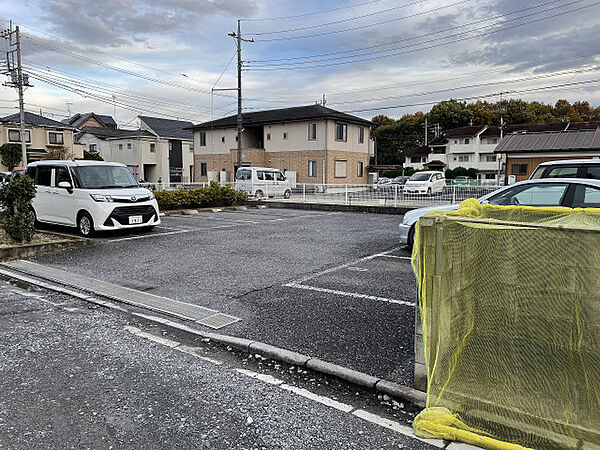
(324, 101)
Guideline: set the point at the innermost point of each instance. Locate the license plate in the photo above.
(135, 219)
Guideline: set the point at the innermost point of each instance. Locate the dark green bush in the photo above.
(15, 198)
(207, 197)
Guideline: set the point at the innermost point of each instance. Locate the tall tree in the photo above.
(450, 114)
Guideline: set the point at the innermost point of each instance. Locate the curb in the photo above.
(33, 250)
(399, 210)
(357, 378)
(193, 211)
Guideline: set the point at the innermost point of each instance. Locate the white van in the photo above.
(91, 195)
(259, 182)
(428, 182)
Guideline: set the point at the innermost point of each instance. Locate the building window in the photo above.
(237, 138)
(56, 138)
(223, 139)
(463, 158)
(120, 146)
(359, 172)
(203, 169)
(340, 168)
(415, 159)
(14, 136)
(285, 136)
(128, 146)
(490, 176)
(518, 169)
(93, 148)
(312, 131)
(152, 147)
(312, 168)
(467, 141)
(268, 136)
(361, 137)
(439, 150)
(341, 132)
(491, 141)
(487, 158)
(192, 148)
(203, 139)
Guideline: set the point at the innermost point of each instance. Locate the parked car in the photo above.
(260, 182)
(573, 168)
(425, 183)
(384, 180)
(463, 181)
(5, 177)
(91, 195)
(401, 180)
(570, 192)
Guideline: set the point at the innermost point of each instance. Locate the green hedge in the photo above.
(207, 197)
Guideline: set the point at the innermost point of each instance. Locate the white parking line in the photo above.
(349, 294)
(146, 236)
(261, 377)
(395, 256)
(344, 407)
(344, 266)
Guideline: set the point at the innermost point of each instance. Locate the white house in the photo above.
(160, 151)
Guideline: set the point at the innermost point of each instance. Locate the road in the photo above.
(77, 376)
(331, 285)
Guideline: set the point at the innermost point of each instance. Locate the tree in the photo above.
(584, 111)
(450, 114)
(15, 198)
(62, 153)
(92, 155)
(395, 139)
(382, 120)
(11, 155)
(518, 111)
(562, 109)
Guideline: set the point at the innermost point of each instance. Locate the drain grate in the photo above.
(199, 314)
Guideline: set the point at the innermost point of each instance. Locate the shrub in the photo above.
(11, 155)
(92, 155)
(207, 197)
(15, 198)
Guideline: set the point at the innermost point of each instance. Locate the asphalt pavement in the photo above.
(332, 285)
(73, 375)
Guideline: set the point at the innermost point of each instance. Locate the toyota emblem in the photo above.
(133, 198)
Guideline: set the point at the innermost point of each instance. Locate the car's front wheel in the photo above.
(85, 224)
(259, 195)
(287, 194)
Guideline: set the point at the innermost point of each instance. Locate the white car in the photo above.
(260, 182)
(91, 195)
(569, 192)
(425, 183)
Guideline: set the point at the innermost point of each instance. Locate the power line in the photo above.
(371, 47)
(471, 86)
(337, 22)
(311, 65)
(439, 8)
(512, 92)
(314, 13)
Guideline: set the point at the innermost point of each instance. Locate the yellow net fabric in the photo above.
(510, 307)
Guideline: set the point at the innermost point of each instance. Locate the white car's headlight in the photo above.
(101, 198)
(150, 195)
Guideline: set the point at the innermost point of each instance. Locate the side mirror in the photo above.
(66, 185)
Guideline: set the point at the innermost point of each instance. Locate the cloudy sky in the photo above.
(162, 58)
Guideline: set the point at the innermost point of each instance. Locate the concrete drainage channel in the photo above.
(81, 287)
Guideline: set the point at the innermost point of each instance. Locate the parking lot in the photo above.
(332, 285)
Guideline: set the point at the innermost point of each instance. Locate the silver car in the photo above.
(569, 192)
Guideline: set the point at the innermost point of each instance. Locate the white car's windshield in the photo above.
(420, 177)
(103, 177)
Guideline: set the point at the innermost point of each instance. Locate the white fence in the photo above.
(351, 194)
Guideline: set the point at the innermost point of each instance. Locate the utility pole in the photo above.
(426, 141)
(239, 39)
(18, 80)
(324, 101)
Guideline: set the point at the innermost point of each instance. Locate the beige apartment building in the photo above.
(312, 144)
(42, 135)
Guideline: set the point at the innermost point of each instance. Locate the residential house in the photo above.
(160, 151)
(311, 144)
(42, 135)
(525, 151)
(91, 119)
(474, 147)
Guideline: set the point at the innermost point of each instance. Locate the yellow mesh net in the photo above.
(510, 307)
